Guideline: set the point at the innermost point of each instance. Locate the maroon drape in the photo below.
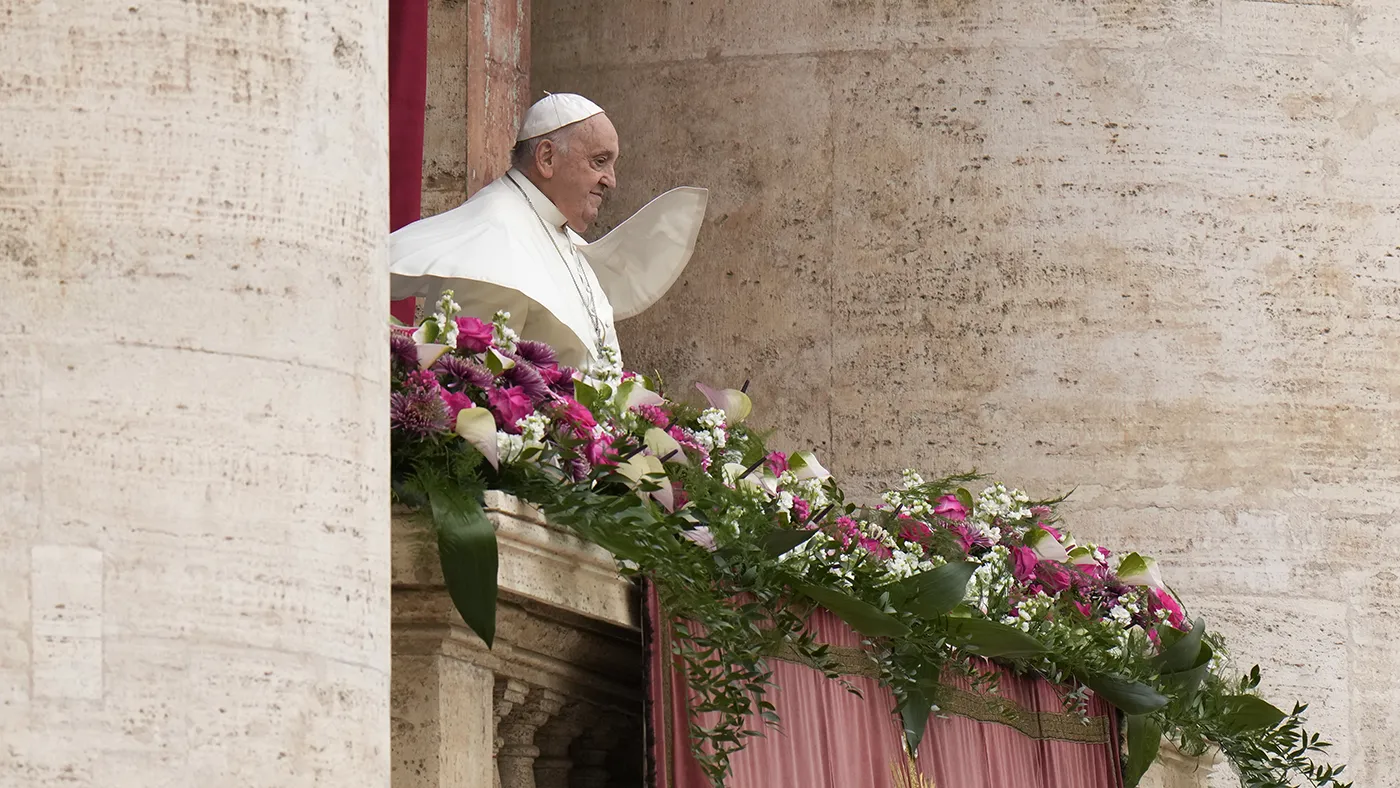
(830, 738)
(408, 85)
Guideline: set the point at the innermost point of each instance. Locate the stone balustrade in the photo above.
(557, 703)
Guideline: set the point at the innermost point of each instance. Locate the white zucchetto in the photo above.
(554, 112)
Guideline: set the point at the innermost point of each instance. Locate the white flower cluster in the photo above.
(509, 447)
(1031, 609)
(911, 478)
(992, 580)
(809, 490)
(912, 505)
(606, 371)
(504, 336)
(998, 502)
(712, 434)
(441, 327)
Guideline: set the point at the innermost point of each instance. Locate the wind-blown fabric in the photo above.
(831, 738)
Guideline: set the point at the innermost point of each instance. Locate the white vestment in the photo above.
(497, 253)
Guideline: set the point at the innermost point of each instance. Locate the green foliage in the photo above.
(733, 609)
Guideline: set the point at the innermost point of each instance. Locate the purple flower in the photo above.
(419, 409)
(525, 376)
(537, 353)
(456, 373)
(403, 352)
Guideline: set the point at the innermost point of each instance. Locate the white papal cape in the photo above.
(493, 253)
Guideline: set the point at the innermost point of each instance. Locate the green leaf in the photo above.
(965, 498)
(467, 548)
(993, 638)
(781, 540)
(1188, 682)
(1180, 650)
(1131, 696)
(1250, 712)
(863, 617)
(1144, 739)
(937, 591)
(915, 711)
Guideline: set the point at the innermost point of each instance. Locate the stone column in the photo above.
(194, 571)
(591, 750)
(554, 764)
(516, 759)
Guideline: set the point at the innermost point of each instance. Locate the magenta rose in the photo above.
(1024, 560)
(510, 405)
(950, 507)
(473, 335)
(456, 403)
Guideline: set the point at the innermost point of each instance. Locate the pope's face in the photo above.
(581, 171)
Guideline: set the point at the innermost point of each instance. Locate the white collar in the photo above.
(542, 204)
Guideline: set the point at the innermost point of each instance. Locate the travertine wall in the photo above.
(1145, 247)
(194, 520)
(478, 89)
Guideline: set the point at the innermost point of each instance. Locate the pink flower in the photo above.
(473, 335)
(509, 405)
(1053, 576)
(1159, 599)
(653, 414)
(778, 463)
(848, 530)
(1040, 512)
(801, 510)
(578, 416)
(1053, 532)
(456, 403)
(600, 451)
(876, 547)
(914, 531)
(950, 507)
(1084, 610)
(1023, 564)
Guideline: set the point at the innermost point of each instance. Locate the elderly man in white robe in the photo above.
(516, 245)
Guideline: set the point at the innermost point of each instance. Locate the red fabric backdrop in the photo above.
(831, 738)
(408, 84)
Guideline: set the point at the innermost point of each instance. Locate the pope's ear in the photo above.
(545, 152)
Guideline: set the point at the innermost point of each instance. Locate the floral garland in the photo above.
(742, 542)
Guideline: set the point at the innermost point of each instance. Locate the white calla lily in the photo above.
(429, 354)
(478, 427)
(633, 393)
(663, 445)
(1046, 546)
(736, 404)
(804, 465)
(1137, 570)
(648, 466)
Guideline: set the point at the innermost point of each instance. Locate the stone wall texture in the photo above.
(1146, 249)
(478, 89)
(194, 519)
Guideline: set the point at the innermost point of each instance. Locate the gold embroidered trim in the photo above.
(1038, 725)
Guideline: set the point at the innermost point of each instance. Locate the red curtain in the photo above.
(408, 84)
(830, 738)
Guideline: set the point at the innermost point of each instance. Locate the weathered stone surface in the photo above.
(1146, 248)
(567, 652)
(193, 507)
(478, 89)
